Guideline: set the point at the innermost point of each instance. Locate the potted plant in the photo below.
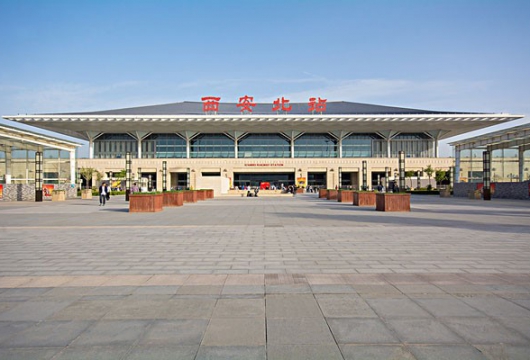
(146, 202)
(88, 175)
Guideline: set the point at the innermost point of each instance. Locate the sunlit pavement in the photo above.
(265, 278)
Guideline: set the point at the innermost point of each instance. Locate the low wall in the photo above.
(26, 192)
(503, 190)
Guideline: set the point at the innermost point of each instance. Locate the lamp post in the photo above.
(164, 176)
(38, 176)
(387, 175)
(128, 164)
(401, 170)
(149, 182)
(365, 172)
(486, 174)
(418, 181)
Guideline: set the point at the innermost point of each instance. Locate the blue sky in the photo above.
(452, 55)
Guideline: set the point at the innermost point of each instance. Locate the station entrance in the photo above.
(255, 179)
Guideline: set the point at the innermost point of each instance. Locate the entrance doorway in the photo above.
(255, 179)
(179, 181)
(317, 180)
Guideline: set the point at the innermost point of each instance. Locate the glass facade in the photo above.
(56, 166)
(316, 146)
(115, 146)
(414, 145)
(263, 146)
(163, 146)
(253, 180)
(358, 145)
(212, 146)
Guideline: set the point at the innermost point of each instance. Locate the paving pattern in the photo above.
(265, 278)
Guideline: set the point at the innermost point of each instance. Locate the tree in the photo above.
(409, 174)
(440, 176)
(429, 171)
(88, 173)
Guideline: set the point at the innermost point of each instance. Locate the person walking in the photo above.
(104, 192)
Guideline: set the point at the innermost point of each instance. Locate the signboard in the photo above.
(210, 104)
(1, 191)
(301, 181)
(47, 190)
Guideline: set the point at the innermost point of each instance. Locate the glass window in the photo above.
(109, 146)
(212, 146)
(358, 145)
(263, 146)
(164, 146)
(316, 145)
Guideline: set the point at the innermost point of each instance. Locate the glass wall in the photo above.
(263, 146)
(115, 146)
(414, 145)
(163, 146)
(212, 146)
(316, 146)
(358, 145)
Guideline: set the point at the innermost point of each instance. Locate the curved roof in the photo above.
(196, 108)
(189, 117)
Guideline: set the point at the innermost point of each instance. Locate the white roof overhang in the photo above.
(79, 125)
(502, 139)
(10, 136)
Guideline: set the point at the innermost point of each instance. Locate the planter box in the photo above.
(300, 190)
(332, 194)
(190, 196)
(345, 196)
(474, 195)
(201, 195)
(209, 193)
(445, 193)
(146, 202)
(58, 195)
(392, 202)
(86, 194)
(363, 198)
(173, 198)
(322, 193)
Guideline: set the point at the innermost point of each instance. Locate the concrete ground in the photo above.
(265, 278)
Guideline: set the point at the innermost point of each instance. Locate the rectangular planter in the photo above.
(190, 196)
(86, 194)
(364, 198)
(58, 195)
(332, 194)
(299, 190)
(201, 195)
(146, 202)
(322, 193)
(173, 198)
(392, 202)
(345, 196)
(209, 193)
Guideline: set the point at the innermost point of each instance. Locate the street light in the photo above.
(128, 164)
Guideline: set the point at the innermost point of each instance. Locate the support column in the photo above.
(72, 167)
(521, 163)
(188, 148)
(436, 148)
(292, 147)
(388, 148)
(8, 165)
(90, 149)
(139, 148)
(456, 177)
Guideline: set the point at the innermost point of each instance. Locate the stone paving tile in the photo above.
(12, 328)
(48, 334)
(34, 310)
(483, 331)
(175, 332)
(231, 353)
(112, 333)
(303, 352)
(423, 331)
(85, 310)
(361, 331)
(503, 351)
(445, 307)
(166, 280)
(93, 352)
(292, 306)
(235, 332)
(188, 309)
(29, 353)
(397, 308)
(236, 308)
(375, 352)
(184, 352)
(298, 331)
(444, 352)
(243, 290)
(344, 305)
(497, 307)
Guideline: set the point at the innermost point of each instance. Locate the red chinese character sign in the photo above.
(281, 105)
(318, 106)
(246, 103)
(210, 104)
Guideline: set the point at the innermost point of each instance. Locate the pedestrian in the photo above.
(104, 194)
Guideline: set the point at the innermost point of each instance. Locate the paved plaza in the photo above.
(265, 278)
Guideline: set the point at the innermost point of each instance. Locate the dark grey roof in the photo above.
(196, 108)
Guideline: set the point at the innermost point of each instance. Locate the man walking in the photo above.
(103, 192)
